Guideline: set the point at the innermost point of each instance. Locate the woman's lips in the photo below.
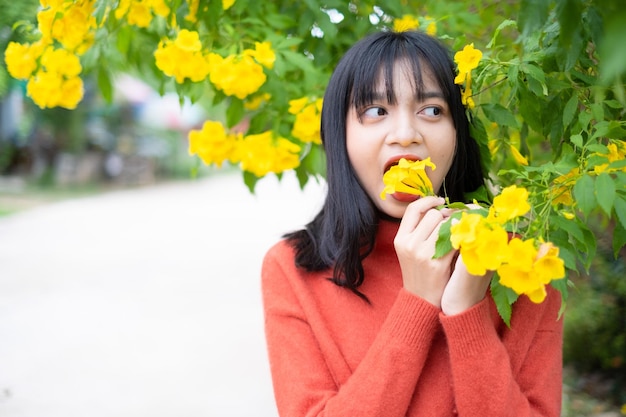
(404, 197)
(396, 159)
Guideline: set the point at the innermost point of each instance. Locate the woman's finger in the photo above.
(415, 211)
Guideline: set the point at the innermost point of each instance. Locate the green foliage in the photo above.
(594, 339)
(549, 91)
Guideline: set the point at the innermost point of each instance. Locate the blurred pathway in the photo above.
(143, 302)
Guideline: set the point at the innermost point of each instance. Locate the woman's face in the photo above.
(378, 135)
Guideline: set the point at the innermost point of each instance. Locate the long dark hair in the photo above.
(343, 232)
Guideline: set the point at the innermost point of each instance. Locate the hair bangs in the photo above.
(376, 68)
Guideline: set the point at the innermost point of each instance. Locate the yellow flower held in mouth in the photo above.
(408, 177)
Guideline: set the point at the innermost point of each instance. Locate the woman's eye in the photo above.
(432, 111)
(374, 112)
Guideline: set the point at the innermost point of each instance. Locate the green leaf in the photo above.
(569, 110)
(584, 195)
(314, 161)
(619, 239)
(100, 9)
(499, 114)
(482, 195)
(571, 227)
(567, 251)
(535, 76)
(504, 298)
(105, 85)
(620, 210)
(443, 245)
(504, 24)
(234, 112)
(250, 180)
(562, 286)
(605, 192)
(569, 14)
(577, 140)
(591, 245)
(298, 60)
(532, 15)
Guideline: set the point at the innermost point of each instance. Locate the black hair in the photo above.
(343, 232)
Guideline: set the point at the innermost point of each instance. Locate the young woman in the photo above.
(360, 319)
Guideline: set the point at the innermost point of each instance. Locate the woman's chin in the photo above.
(395, 205)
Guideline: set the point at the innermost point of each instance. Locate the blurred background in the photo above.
(129, 271)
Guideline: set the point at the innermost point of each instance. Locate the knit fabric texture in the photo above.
(333, 354)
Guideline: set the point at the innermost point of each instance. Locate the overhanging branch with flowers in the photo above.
(544, 99)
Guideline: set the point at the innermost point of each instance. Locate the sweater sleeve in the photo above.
(519, 374)
(304, 384)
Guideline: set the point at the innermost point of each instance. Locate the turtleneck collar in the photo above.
(385, 234)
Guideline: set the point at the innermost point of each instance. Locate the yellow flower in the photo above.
(297, 105)
(122, 8)
(615, 153)
(408, 177)
(529, 270)
(236, 75)
(192, 16)
(464, 232)
(212, 143)
(188, 40)
(483, 246)
(467, 60)
(306, 127)
(548, 265)
(61, 61)
(139, 14)
(73, 92)
(21, 60)
(512, 202)
(45, 89)
(519, 158)
(487, 251)
(227, 4)
(182, 63)
(537, 295)
(263, 54)
(74, 27)
(260, 154)
(159, 7)
(286, 156)
(466, 98)
(561, 190)
(431, 28)
(406, 22)
(517, 274)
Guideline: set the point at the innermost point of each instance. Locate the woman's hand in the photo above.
(415, 241)
(463, 290)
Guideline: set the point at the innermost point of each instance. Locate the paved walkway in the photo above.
(144, 302)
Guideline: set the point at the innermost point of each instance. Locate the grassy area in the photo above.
(17, 196)
(577, 402)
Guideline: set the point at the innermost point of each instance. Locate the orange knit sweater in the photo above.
(332, 354)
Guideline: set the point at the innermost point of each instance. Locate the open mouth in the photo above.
(395, 162)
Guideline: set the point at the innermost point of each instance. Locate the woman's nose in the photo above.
(405, 130)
